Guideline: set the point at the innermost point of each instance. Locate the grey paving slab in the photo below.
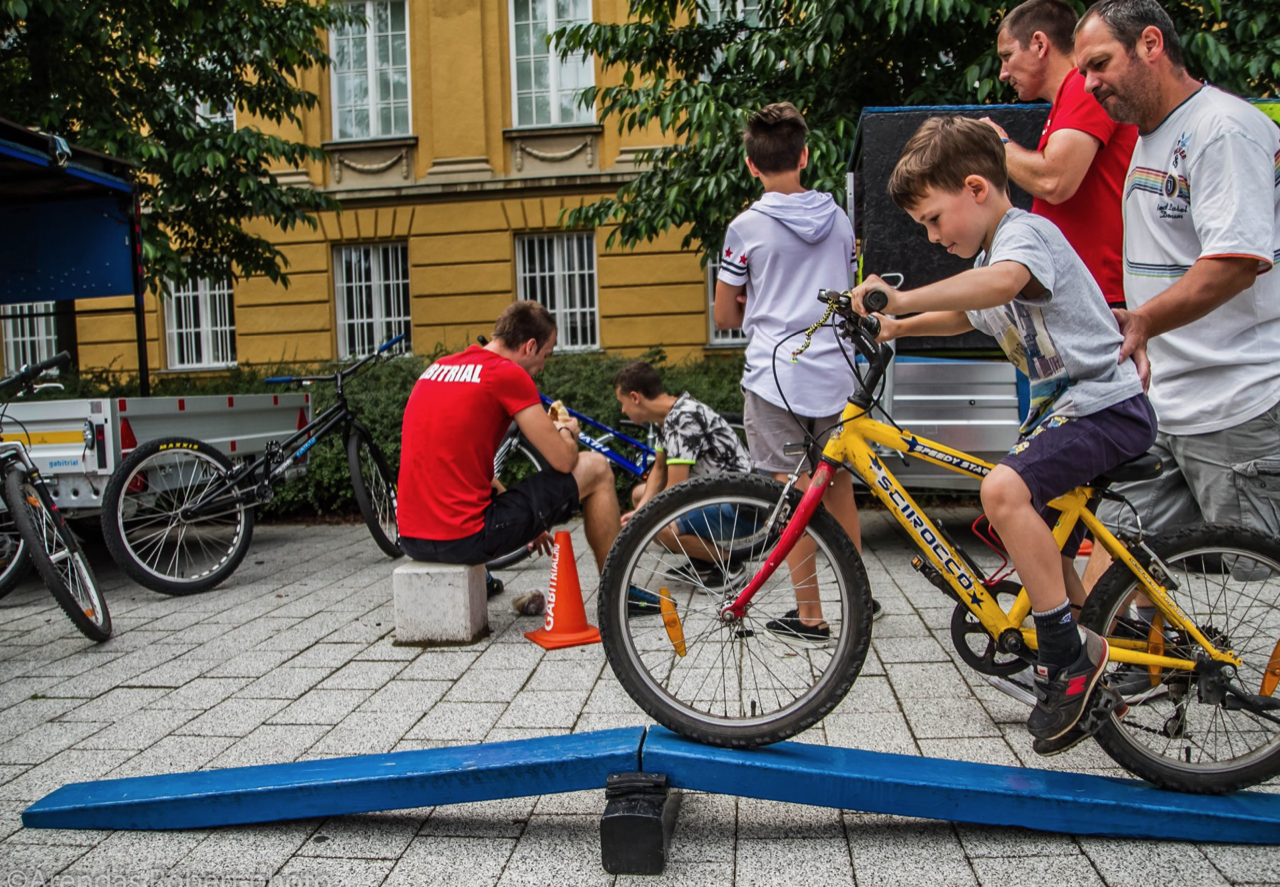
(767, 863)
(560, 850)
(1039, 871)
(503, 818)
(366, 836)
(452, 862)
(303, 870)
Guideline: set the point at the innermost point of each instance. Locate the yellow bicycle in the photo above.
(727, 664)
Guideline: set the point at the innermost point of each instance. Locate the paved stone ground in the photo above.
(293, 660)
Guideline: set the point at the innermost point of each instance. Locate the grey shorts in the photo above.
(1230, 476)
(770, 428)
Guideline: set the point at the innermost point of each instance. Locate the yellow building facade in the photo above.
(454, 145)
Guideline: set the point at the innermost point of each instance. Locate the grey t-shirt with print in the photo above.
(1066, 340)
(693, 434)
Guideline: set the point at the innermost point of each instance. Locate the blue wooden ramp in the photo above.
(874, 782)
(850, 779)
(343, 785)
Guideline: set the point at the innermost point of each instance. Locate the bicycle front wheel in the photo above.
(734, 684)
(1174, 735)
(56, 554)
(515, 461)
(15, 562)
(143, 525)
(374, 485)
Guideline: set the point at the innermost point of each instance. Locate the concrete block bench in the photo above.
(439, 603)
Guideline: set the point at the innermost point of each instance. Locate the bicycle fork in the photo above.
(818, 484)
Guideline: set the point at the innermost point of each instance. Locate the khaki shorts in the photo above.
(770, 428)
(1229, 477)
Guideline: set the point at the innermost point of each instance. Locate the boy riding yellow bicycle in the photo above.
(1088, 412)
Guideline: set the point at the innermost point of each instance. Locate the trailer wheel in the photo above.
(143, 523)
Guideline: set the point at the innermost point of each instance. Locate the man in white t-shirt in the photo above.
(1201, 232)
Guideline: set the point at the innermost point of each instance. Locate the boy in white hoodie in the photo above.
(777, 255)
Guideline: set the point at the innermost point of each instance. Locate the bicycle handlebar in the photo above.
(31, 372)
(333, 377)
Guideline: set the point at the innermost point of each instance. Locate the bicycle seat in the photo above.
(1143, 467)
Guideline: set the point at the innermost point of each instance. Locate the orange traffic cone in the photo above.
(566, 620)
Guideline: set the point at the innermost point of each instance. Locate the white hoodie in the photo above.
(784, 249)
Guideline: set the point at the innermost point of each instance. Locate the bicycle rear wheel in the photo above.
(142, 519)
(515, 461)
(15, 562)
(1229, 585)
(374, 485)
(732, 684)
(56, 554)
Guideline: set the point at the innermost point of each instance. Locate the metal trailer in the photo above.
(77, 444)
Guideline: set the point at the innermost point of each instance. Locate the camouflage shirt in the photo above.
(695, 435)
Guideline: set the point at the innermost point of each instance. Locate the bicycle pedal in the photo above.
(1106, 701)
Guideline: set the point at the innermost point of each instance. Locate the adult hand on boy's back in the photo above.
(1136, 330)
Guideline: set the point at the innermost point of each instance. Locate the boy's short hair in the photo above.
(638, 376)
(774, 137)
(521, 321)
(944, 152)
(1055, 19)
(1127, 19)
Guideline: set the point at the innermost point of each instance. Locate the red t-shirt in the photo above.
(1091, 220)
(455, 419)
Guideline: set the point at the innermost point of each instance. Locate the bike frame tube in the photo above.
(646, 453)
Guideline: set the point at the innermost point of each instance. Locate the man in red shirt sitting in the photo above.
(1078, 169)
(450, 507)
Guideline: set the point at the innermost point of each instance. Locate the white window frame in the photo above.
(372, 74)
(748, 10)
(200, 320)
(28, 339)
(582, 116)
(207, 114)
(566, 284)
(734, 338)
(385, 311)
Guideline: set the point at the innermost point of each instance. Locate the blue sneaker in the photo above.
(642, 603)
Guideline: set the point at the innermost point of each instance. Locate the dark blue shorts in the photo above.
(513, 518)
(1064, 453)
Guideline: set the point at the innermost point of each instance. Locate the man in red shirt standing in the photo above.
(1077, 172)
(450, 507)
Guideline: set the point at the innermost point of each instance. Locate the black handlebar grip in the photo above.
(876, 300)
(872, 326)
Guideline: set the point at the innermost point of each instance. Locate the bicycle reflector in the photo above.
(1271, 677)
(671, 619)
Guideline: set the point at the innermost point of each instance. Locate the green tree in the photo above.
(696, 73)
(147, 82)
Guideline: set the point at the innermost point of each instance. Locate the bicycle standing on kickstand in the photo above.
(177, 515)
(721, 667)
(43, 537)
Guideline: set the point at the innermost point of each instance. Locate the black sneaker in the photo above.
(1047, 748)
(642, 603)
(493, 586)
(1063, 696)
(790, 629)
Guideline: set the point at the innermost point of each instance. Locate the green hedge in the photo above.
(583, 381)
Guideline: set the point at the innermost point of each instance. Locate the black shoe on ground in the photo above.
(493, 586)
(790, 629)
(1064, 695)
